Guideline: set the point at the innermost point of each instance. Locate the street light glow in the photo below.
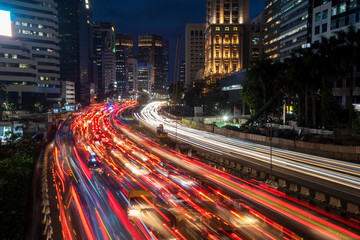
(5, 24)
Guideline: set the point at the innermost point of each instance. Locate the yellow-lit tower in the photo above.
(225, 37)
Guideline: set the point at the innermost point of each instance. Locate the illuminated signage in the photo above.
(5, 23)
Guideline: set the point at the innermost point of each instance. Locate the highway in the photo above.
(341, 178)
(114, 183)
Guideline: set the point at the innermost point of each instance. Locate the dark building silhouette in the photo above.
(76, 46)
(104, 55)
(124, 46)
(154, 50)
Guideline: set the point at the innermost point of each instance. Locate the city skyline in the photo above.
(145, 17)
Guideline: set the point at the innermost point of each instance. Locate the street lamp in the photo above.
(225, 118)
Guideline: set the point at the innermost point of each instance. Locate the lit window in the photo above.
(226, 28)
(235, 29)
(217, 28)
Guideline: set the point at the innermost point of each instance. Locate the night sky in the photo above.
(163, 17)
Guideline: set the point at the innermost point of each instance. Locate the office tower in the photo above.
(76, 50)
(29, 52)
(154, 50)
(131, 72)
(104, 55)
(225, 38)
(194, 51)
(272, 28)
(182, 73)
(286, 27)
(124, 46)
(144, 78)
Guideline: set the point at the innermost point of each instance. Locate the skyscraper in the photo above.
(154, 50)
(144, 78)
(286, 27)
(29, 52)
(104, 54)
(225, 37)
(272, 28)
(194, 51)
(76, 50)
(131, 72)
(124, 46)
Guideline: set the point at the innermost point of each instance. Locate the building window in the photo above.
(333, 11)
(217, 29)
(227, 28)
(317, 17)
(342, 8)
(235, 28)
(317, 30)
(325, 14)
(324, 27)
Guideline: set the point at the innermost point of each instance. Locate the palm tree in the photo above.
(348, 53)
(262, 74)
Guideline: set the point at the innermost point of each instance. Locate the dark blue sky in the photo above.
(163, 17)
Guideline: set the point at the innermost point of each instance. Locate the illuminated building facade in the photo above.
(154, 50)
(143, 78)
(225, 38)
(29, 52)
(131, 72)
(194, 52)
(287, 27)
(76, 46)
(104, 55)
(124, 46)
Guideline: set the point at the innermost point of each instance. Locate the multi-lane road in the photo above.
(340, 178)
(114, 183)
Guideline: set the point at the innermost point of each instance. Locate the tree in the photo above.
(347, 54)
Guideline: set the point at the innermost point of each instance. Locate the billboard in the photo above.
(5, 23)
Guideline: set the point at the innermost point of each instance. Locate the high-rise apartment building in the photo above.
(194, 51)
(124, 46)
(131, 72)
(29, 52)
(286, 27)
(144, 78)
(154, 50)
(104, 55)
(225, 38)
(76, 46)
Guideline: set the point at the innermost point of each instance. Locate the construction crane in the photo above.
(176, 74)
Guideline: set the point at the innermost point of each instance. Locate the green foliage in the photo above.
(307, 79)
(16, 164)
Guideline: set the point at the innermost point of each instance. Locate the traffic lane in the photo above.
(313, 182)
